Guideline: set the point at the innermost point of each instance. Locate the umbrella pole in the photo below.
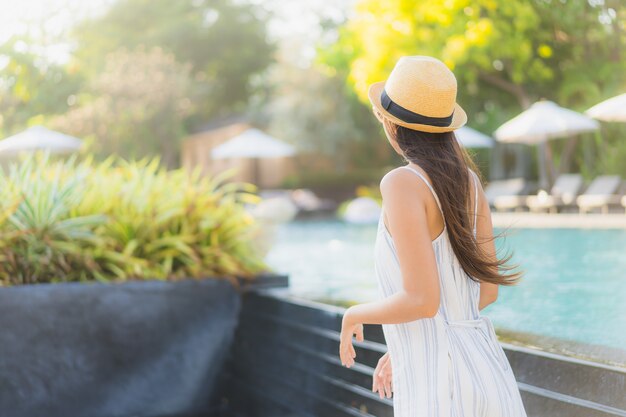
(542, 165)
(550, 165)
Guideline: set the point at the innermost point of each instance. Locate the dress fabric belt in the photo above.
(488, 333)
(483, 320)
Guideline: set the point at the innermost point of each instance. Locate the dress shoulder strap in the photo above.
(419, 174)
(475, 177)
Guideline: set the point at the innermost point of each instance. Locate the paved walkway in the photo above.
(575, 220)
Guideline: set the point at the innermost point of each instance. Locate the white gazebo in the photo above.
(255, 144)
(38, 138)
(611, 110)
(471, 138)
(543, 121)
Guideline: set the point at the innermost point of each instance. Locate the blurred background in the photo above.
(276, 90)
(166, 78)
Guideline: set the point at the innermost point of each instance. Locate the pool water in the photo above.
(574, 286)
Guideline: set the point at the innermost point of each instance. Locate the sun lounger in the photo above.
(505, 194)
(307, 200)
(601, 193)
(624, 202)
(562, 194)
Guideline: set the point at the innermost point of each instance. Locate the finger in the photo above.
(387, 386)
(374, 382)
(352, 351)
(345, 344)
(347, 359)
(378, 372)
(347, 356)
(386, 380)
(343, 354)
(377, 382)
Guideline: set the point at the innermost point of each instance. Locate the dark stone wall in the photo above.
(147, 348)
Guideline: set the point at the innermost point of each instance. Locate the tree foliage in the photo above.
(223, 40)
(135, 107)
(506, 54)
(30, 86)
(119, 91)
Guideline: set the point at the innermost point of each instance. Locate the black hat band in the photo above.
(410, 117)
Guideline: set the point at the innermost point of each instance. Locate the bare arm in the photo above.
(405, 203)
(484, 231)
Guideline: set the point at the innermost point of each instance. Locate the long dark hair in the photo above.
(447, 163)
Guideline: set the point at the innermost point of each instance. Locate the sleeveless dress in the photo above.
(452, 364)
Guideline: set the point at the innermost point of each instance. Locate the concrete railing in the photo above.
(284, 362)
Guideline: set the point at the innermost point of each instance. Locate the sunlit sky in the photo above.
(296, 19)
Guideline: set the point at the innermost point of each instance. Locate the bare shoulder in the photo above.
(390, 179)
(397, 180)
(403, 188)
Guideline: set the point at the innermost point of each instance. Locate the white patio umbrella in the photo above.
(541, 122)
(611, 110)
(38, 138)
(471, 138)
(253, 143)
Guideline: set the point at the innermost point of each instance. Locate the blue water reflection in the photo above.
(574, 287)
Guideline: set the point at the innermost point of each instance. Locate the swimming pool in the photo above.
(574, 286)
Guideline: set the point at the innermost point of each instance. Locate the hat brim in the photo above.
(459, 117)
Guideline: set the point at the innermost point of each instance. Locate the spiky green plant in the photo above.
(119, 220)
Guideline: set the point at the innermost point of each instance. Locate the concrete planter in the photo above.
(148, 348)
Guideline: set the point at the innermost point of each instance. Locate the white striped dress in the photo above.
(451, 364)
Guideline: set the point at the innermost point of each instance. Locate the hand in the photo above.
(349, 328)
(382, 378)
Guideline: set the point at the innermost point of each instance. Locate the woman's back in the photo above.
(450, 364)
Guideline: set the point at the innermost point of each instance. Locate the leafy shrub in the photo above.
(118, 220)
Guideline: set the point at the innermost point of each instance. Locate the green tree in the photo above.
(505, 53)
(30, 86)
(223, 40)
(135, 107)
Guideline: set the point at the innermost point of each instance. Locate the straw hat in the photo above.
(420, 94)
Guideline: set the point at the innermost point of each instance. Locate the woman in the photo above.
(435, 260)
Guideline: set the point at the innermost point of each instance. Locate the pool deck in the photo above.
(560, 220)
